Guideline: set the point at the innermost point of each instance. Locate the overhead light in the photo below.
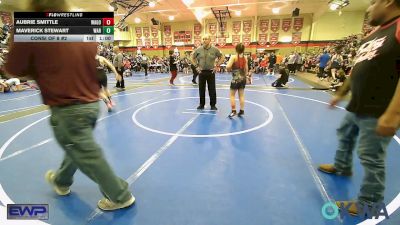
(338, 4)
(171, 17)
(188, 2)
(333, 6)
(138, 20)
(276, 10)
(199, 13)
(238, 13)
(152, 4)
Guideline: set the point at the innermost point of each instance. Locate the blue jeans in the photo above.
(73, 129)
(371, 150)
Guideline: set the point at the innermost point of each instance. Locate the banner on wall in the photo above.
(275, 24)
(247, 26)
(298, 23)
(197, 41)
(286, 24)
(154, 42)
(212, 28)
(167, 30)
(296, 38)
(235, 39)
(168, 42)
(138, 31)
(246, 39)
(183, 36)
(273, 38)
(264, 23)
(154, 31)
(139, 42)
(221, 41)
(236, 26)
(262, 39)
(197, 29)
(213, 39)
(6, 18)
(146, 32)
(147, 42)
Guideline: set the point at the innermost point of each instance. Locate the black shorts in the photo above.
(102, 77)
(238, 85)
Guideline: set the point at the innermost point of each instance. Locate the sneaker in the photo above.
(194, 83)
(214, 108)
(330, 168)
(352, 209)
(233, 113)
(241, 113)
(200, 107)
(107, 205)
(50, 177)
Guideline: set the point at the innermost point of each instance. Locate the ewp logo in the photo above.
(330, 210)
(27, 211)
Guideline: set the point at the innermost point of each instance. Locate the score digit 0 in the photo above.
(108, 21)
(108, 30)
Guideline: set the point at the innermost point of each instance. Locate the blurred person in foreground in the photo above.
(66, 75)
(373, 115)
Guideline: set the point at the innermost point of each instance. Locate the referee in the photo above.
(204, 59)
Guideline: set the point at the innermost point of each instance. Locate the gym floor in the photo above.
(192, 167)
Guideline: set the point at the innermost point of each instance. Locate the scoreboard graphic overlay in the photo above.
(63, 26)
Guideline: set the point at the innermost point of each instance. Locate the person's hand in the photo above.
(198, 69)
(388, 124)
(335, 100)
(215, 69)
(118, 77)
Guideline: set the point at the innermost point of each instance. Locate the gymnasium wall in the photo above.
(331, 26)
(315, 32)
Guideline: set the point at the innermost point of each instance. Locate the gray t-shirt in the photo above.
(118, 61)
(206, 57)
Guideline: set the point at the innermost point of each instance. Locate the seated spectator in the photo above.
(263, 65)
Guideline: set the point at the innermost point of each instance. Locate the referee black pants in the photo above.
(207, 76)
(120, 84)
